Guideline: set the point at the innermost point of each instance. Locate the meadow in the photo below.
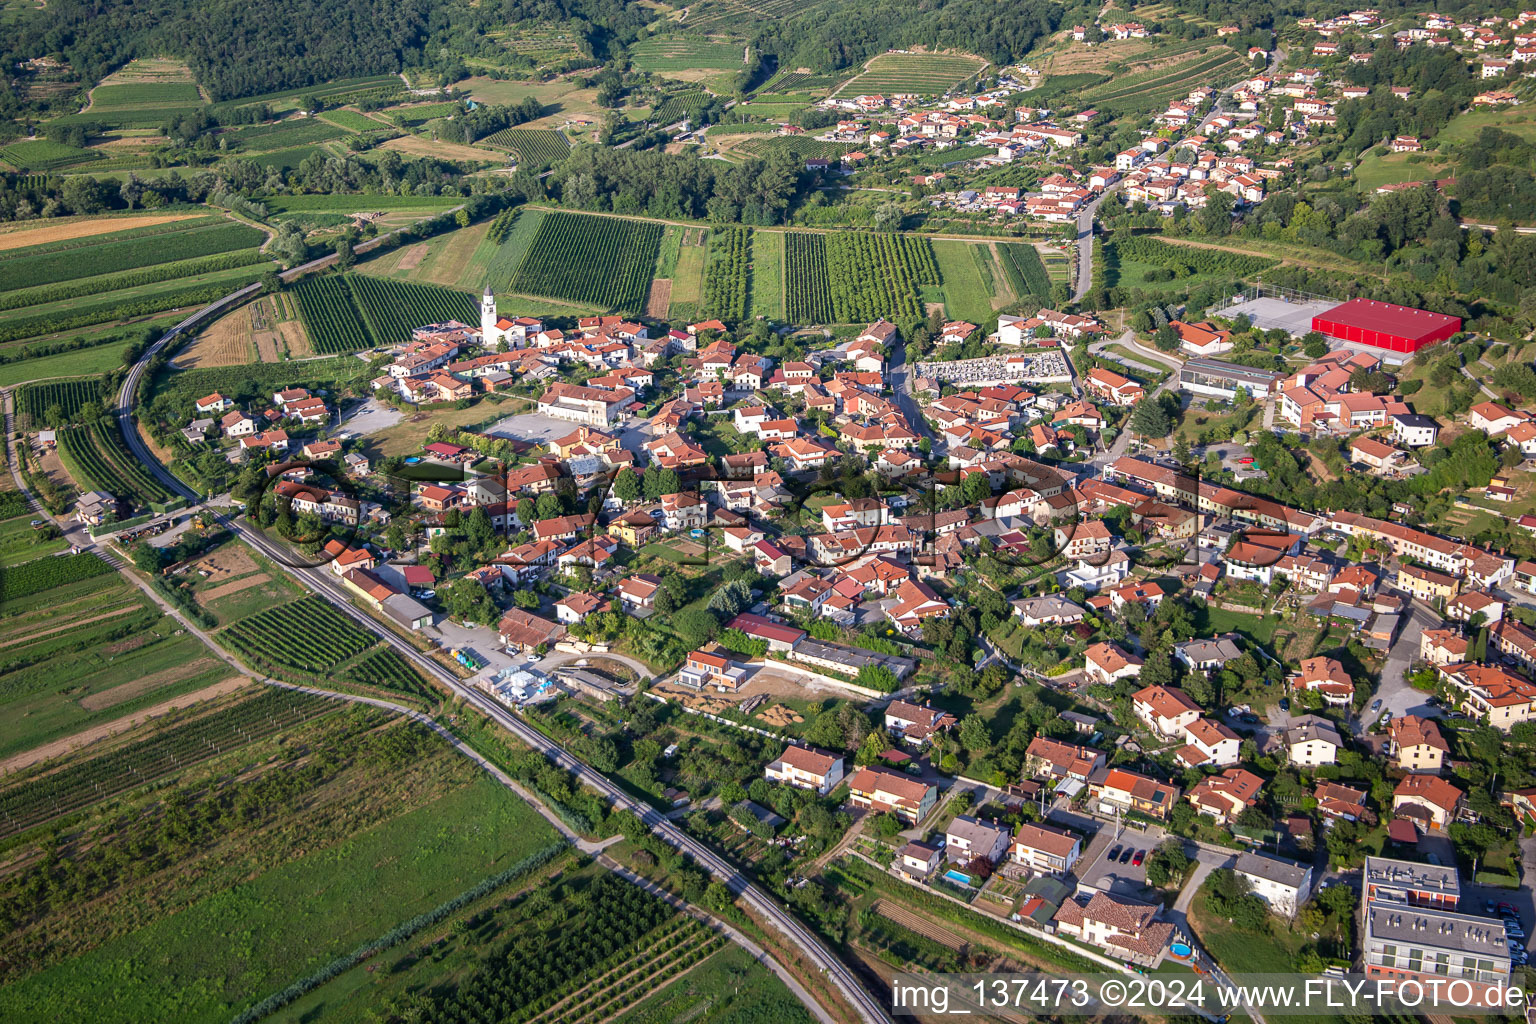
(966, 295)
(686, 53)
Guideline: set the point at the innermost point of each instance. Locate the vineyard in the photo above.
(42, 155)
(536, 146)
(43, 293)
(726, 275)
(265, 138)
(677, 105)
(602, 261)
(171, 749)
(109, 254)
(312, 640)
(1151, 89)
(353, 121)
(34, 400)
(1026, 274)
(347, 312)
(536, 973)
(96, 458)
(308, 636)
(855, 277)
(42, 574)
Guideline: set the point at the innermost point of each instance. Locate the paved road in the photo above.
(1395, 694)
(323, 583)
(901, 388)
(1085, 218)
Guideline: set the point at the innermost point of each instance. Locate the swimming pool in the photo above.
(958, 876)
(411, 460)
(1180, 951)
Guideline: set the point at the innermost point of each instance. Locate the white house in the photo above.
(1283, 884)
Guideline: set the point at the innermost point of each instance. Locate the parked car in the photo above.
(1114, 854)
(1508, 909)
(1376, 704)
(1141, 855)
(1126, 855)
(1246, 460)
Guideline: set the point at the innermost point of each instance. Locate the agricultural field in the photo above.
(84, 647)
(729, 986)
(354, 121)
(98, 460)
(1025, 272)
(310, 641)
(20, 542)
(726, 274)
(927, 74)
(855, 277)
(768, 274)
(129, 267)
(603, 261)
(288, 133)
(338, 93)
(348, 312)
(967, 295)
(687, 53)
(254, 884)
(536, 147)
(1392, 168)
(421, 113)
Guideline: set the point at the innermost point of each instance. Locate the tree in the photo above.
(1314, 344)
(888, 217)
(974, 736)
(626, 486)
(146, 557)
(547, 506)
(1166, 338)
(467, 601)
(1150, 419)
(696, 626)
(873, 745)
(877, 677)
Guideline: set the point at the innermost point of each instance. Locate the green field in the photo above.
(686, 53)
(768, 274)
(333, 853)
(534, 146)
(285, 134)
(966, 296)
(1375, 171)
(924, 74)
(138, 95)
(66, 364)
(353, 121)
(1465, 126)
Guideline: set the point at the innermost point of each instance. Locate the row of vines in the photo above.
(726, 276)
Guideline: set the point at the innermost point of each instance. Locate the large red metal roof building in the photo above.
(1385, 325)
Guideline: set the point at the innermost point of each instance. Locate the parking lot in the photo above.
(1268, 313)
(369, 418)
(538, 428)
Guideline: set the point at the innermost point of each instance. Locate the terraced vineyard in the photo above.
(685, 53)
(95, 456)
(535, 146)
(927, 74)
(853, 277)
(348, 312)
(602, 261)
(1154, 88)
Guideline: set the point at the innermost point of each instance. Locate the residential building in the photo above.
(1166, 710)
(1430, 801)
(1057, 759)
(1227, 795)
(882, 790)
(1411, 930)
(1046, 849)
(1416, 744)
(1283, 884)
(916, 723)
(805, 768)
(1118, 790)
(968, 838)
(1311, 741)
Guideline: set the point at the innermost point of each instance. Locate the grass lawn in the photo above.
(966, 295)
(1220, 620)
(1375, 171)
(229, 949)
(79, 363)
(1131, 274)
(19, 542)
(1465, 126)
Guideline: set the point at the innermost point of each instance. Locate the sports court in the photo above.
(1291, 315)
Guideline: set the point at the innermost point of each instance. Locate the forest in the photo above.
(756, 191)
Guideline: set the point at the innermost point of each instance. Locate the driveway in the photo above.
(1394, 693)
